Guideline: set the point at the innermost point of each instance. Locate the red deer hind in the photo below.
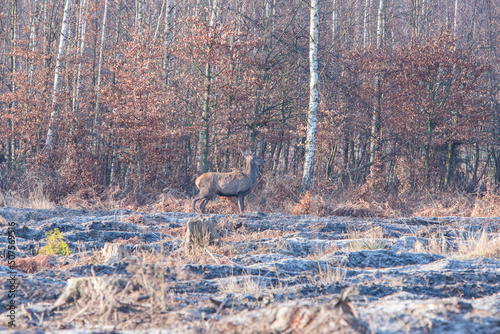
(236, 183)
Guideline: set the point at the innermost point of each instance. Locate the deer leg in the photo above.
(195, 199)
(203, 204)
(241, 202)
(193, 203)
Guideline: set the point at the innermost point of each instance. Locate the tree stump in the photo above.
(201, 232)
(90, 288)
(113, 253)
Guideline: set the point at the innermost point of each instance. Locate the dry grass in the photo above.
(328, 275)
(269, 194)
(466, 247)
(247, 284)
(483, 246)
(33, 264)
(487, 206)
(319, 252)
(170, 202)
(37, 198)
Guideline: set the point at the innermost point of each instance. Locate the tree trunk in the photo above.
(366, 24)
(12, 67)
(168, 37)
(276, 158)
(82, 29)
(287, 152)
(204, 135)
(375, 145)
(335, 20)
(450, 162)
(331, 159)
(57, 77)
(33, 42)
(313, 99)
(99, 78)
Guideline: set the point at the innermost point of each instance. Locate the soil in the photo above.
(269, 273)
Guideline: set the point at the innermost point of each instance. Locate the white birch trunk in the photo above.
(375, 130)
(82, 28)
(33, 42)
(366, 24)
(335, 19)
(455, 20)
(380, 25)
(168, 38)
(57, 76)
(203, 138)
(99, 72)
(313, 99)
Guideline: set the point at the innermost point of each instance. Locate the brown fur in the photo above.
(236, 183)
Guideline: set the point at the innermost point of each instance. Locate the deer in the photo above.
(235, 184)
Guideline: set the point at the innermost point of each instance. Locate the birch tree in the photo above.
(57, 76)
(313, 98)
(168, 37)
(82, 28)
(375, 129)
(12, 65)
(204, 135)
(99, 72)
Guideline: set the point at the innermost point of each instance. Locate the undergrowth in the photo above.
(270, 194)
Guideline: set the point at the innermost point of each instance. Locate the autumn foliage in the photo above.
(182, 88)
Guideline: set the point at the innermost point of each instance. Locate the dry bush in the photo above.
(224, 205)
(33, 264)
(483, 246)
(360, 207)
(310, 204)
(443, 204)
(172, 201)
(487, 205)
(95, 198)
(28, 187)
(37, 198)
(274, 193)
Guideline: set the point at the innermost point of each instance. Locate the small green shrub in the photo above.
(55, 244)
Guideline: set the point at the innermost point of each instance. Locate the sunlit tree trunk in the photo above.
(82, 28)
(204, 135)
(366, 24)
(33, 40)
(450, 158)
(307, 177)
(99, 77)
(375, 168)
(168, 38)
(57, 76)
(139, 12)
(335, 19)
(12, 68)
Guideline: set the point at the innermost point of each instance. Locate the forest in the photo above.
(126, 100)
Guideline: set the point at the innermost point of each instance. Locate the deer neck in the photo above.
(252, 171)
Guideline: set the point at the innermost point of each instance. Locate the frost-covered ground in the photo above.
(271, 273)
